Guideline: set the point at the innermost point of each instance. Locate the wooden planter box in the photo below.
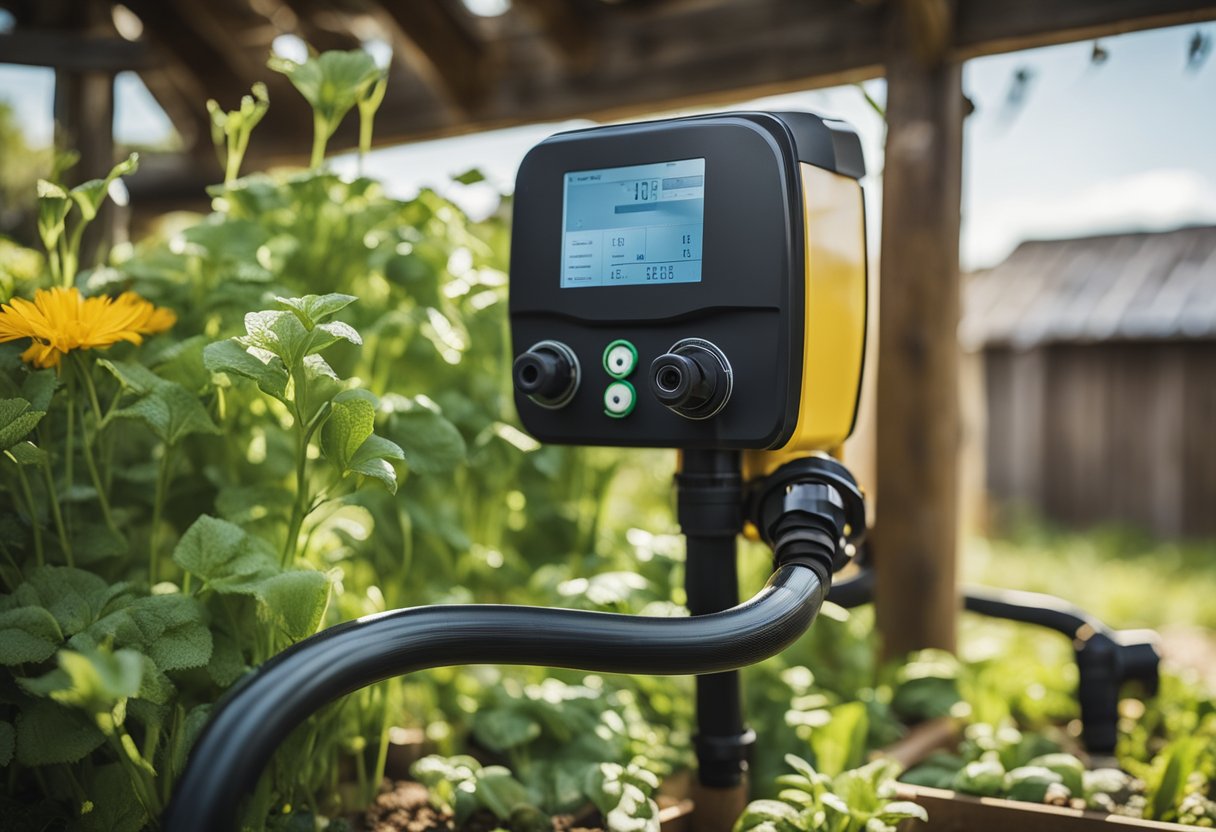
(954, 812)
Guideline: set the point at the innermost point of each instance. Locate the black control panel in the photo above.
(658, 278)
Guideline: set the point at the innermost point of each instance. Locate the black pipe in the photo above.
(1106, 658)
(259, 712)
(709, 489)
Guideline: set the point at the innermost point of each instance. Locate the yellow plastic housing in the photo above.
(834, 334)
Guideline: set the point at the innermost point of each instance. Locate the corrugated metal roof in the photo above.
(1118, 287)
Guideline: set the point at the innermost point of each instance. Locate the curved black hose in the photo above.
(1033, 608)
(259, 713)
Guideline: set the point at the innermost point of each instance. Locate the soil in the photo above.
(402, 806)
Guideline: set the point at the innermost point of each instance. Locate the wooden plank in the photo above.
(914, 538)
(953, 812)
(73, 51)
(987, 27)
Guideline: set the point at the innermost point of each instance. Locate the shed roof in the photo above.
(1116, 287)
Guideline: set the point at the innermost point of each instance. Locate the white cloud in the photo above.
(1155, 200)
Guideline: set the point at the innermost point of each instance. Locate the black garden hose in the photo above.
(258, 714)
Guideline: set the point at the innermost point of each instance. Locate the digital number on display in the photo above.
(635, 225)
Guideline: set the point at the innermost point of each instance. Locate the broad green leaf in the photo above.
(499, 792)
(175, 635)
(351, 421)
(232, 358)
(285, 335)
(504, 728)
(28, 635)
(132, 376)
(27, 453)
(74, 597)
(49, 733)
(93, 543)
(39, 387)
(840, 745)
(331, 82)
(89, 195)
(431, 444)
(213, 549)
(227, 664)
(173, 413)
(16, 420)
(371, 460)
(312, 309)
(296, 601)
(154, 685)
(8, 743)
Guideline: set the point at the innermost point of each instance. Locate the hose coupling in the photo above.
(809, 510)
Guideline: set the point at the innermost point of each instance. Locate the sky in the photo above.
(1128, 144)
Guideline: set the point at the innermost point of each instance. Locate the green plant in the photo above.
(858, 800)
(462, 786)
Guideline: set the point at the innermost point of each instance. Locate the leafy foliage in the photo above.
(854, 801)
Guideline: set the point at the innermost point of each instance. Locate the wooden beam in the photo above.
(566, 29)
(72, 51)
(914, 539)
(439, 47)
(986, 27)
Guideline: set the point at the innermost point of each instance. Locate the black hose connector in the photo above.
(548, 374)
(1106, 659)
(809, 511)
(693, 378)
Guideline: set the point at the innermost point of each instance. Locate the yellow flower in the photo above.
(61, 320)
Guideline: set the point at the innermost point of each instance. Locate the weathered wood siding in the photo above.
(1115, 432)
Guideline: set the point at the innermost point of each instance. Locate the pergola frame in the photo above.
(556, 59)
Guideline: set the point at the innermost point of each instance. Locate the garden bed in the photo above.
(404, 806)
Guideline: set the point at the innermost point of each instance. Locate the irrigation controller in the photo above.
(696, 284)
(692, 283)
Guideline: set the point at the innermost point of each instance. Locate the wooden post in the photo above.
(918, 403)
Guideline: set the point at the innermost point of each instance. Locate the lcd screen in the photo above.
(635, 225)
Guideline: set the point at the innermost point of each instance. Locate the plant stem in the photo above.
(320, 137)
(56, 514)
(29, 501)
(139, 782)
(69, 460)
(158, 506)
(102, 499)
(382, 750)
(298, 508)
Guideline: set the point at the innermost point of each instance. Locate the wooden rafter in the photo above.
(73, 51)
(569, 30)
(431, 37)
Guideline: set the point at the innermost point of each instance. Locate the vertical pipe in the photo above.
(710, 499)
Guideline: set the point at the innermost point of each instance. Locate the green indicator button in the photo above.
(619, 399)
(620, 358)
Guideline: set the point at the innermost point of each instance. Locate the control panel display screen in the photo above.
(636, 225)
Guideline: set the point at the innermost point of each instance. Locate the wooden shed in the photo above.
(1099, 375)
